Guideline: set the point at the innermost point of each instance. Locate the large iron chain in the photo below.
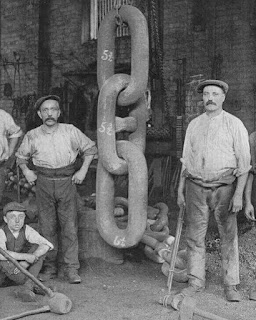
(122, 157)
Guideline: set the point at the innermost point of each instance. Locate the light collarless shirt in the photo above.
(56, 149)
(215, 145)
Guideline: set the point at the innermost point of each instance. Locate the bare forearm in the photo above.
(241, 182)
(15, 255)
(181, 183)
(12, 144)
(248, 188)
(86, 163)
(41, 250)
(23, 167)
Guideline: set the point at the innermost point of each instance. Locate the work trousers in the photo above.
(57, 212)
(200, 201)
(9, 270)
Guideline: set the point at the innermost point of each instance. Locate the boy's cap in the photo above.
(13, 206)
(223, 85)
(43, 99)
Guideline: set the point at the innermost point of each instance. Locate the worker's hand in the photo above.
(181, 199)
(31, 258)
(249, 211)
(24, 264)
(236, 204)
(79, 176)
(30, 176)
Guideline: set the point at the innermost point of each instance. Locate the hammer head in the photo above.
(59, 303)
(187, 307)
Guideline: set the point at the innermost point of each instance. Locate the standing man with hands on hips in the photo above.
(53, 148)
(215, 165)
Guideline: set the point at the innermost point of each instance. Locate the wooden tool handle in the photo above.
(48, 291)
(176, 247)
(28, 313)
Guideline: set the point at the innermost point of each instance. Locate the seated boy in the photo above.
(25, 245)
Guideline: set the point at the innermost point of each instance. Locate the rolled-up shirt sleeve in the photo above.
(23, 154)
(85, 145)
(242, 149)
(13, 130)
(186, 148)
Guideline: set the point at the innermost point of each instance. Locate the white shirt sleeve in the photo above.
(34, 237)
(2, 242)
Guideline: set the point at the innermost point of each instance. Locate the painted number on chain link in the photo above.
(108, 128)
(107, 55)
(119, 241)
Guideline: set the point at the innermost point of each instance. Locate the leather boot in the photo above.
(73, 276)
(232, 294)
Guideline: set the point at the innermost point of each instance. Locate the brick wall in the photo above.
(19, 33)
(217, 39)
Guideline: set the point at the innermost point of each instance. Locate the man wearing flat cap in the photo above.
(23, 244)
(215, 165)
(53, 148)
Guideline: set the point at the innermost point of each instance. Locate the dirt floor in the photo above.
(133, 289)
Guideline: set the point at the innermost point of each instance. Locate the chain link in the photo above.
(122, 157)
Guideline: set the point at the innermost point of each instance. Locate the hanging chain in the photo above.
(122, 157)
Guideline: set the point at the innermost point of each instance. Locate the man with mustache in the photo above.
(215, 165)
(53, 148)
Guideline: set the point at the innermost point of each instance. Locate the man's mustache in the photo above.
(210, 102)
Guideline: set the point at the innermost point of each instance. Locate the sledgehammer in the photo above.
(58, 302)
(187, 307)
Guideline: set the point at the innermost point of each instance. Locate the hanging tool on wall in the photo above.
(17, 69)
(122, 157)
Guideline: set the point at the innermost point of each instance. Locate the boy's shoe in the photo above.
(25, 294)
(232, 294)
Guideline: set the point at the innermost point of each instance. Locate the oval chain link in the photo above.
(122, 157)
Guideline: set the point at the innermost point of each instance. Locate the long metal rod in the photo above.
(176, 247)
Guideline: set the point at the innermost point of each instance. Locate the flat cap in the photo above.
(43, 99)
(221, 84)
(13, 206)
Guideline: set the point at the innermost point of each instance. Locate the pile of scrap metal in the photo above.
(15, 182)
(157, 239)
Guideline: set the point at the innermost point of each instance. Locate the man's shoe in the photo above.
(73, 277)
(191, 290)
(232, 294)
(25, 294)
(48, 274)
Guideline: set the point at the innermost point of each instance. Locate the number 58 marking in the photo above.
(107, 55)
(108, 128)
